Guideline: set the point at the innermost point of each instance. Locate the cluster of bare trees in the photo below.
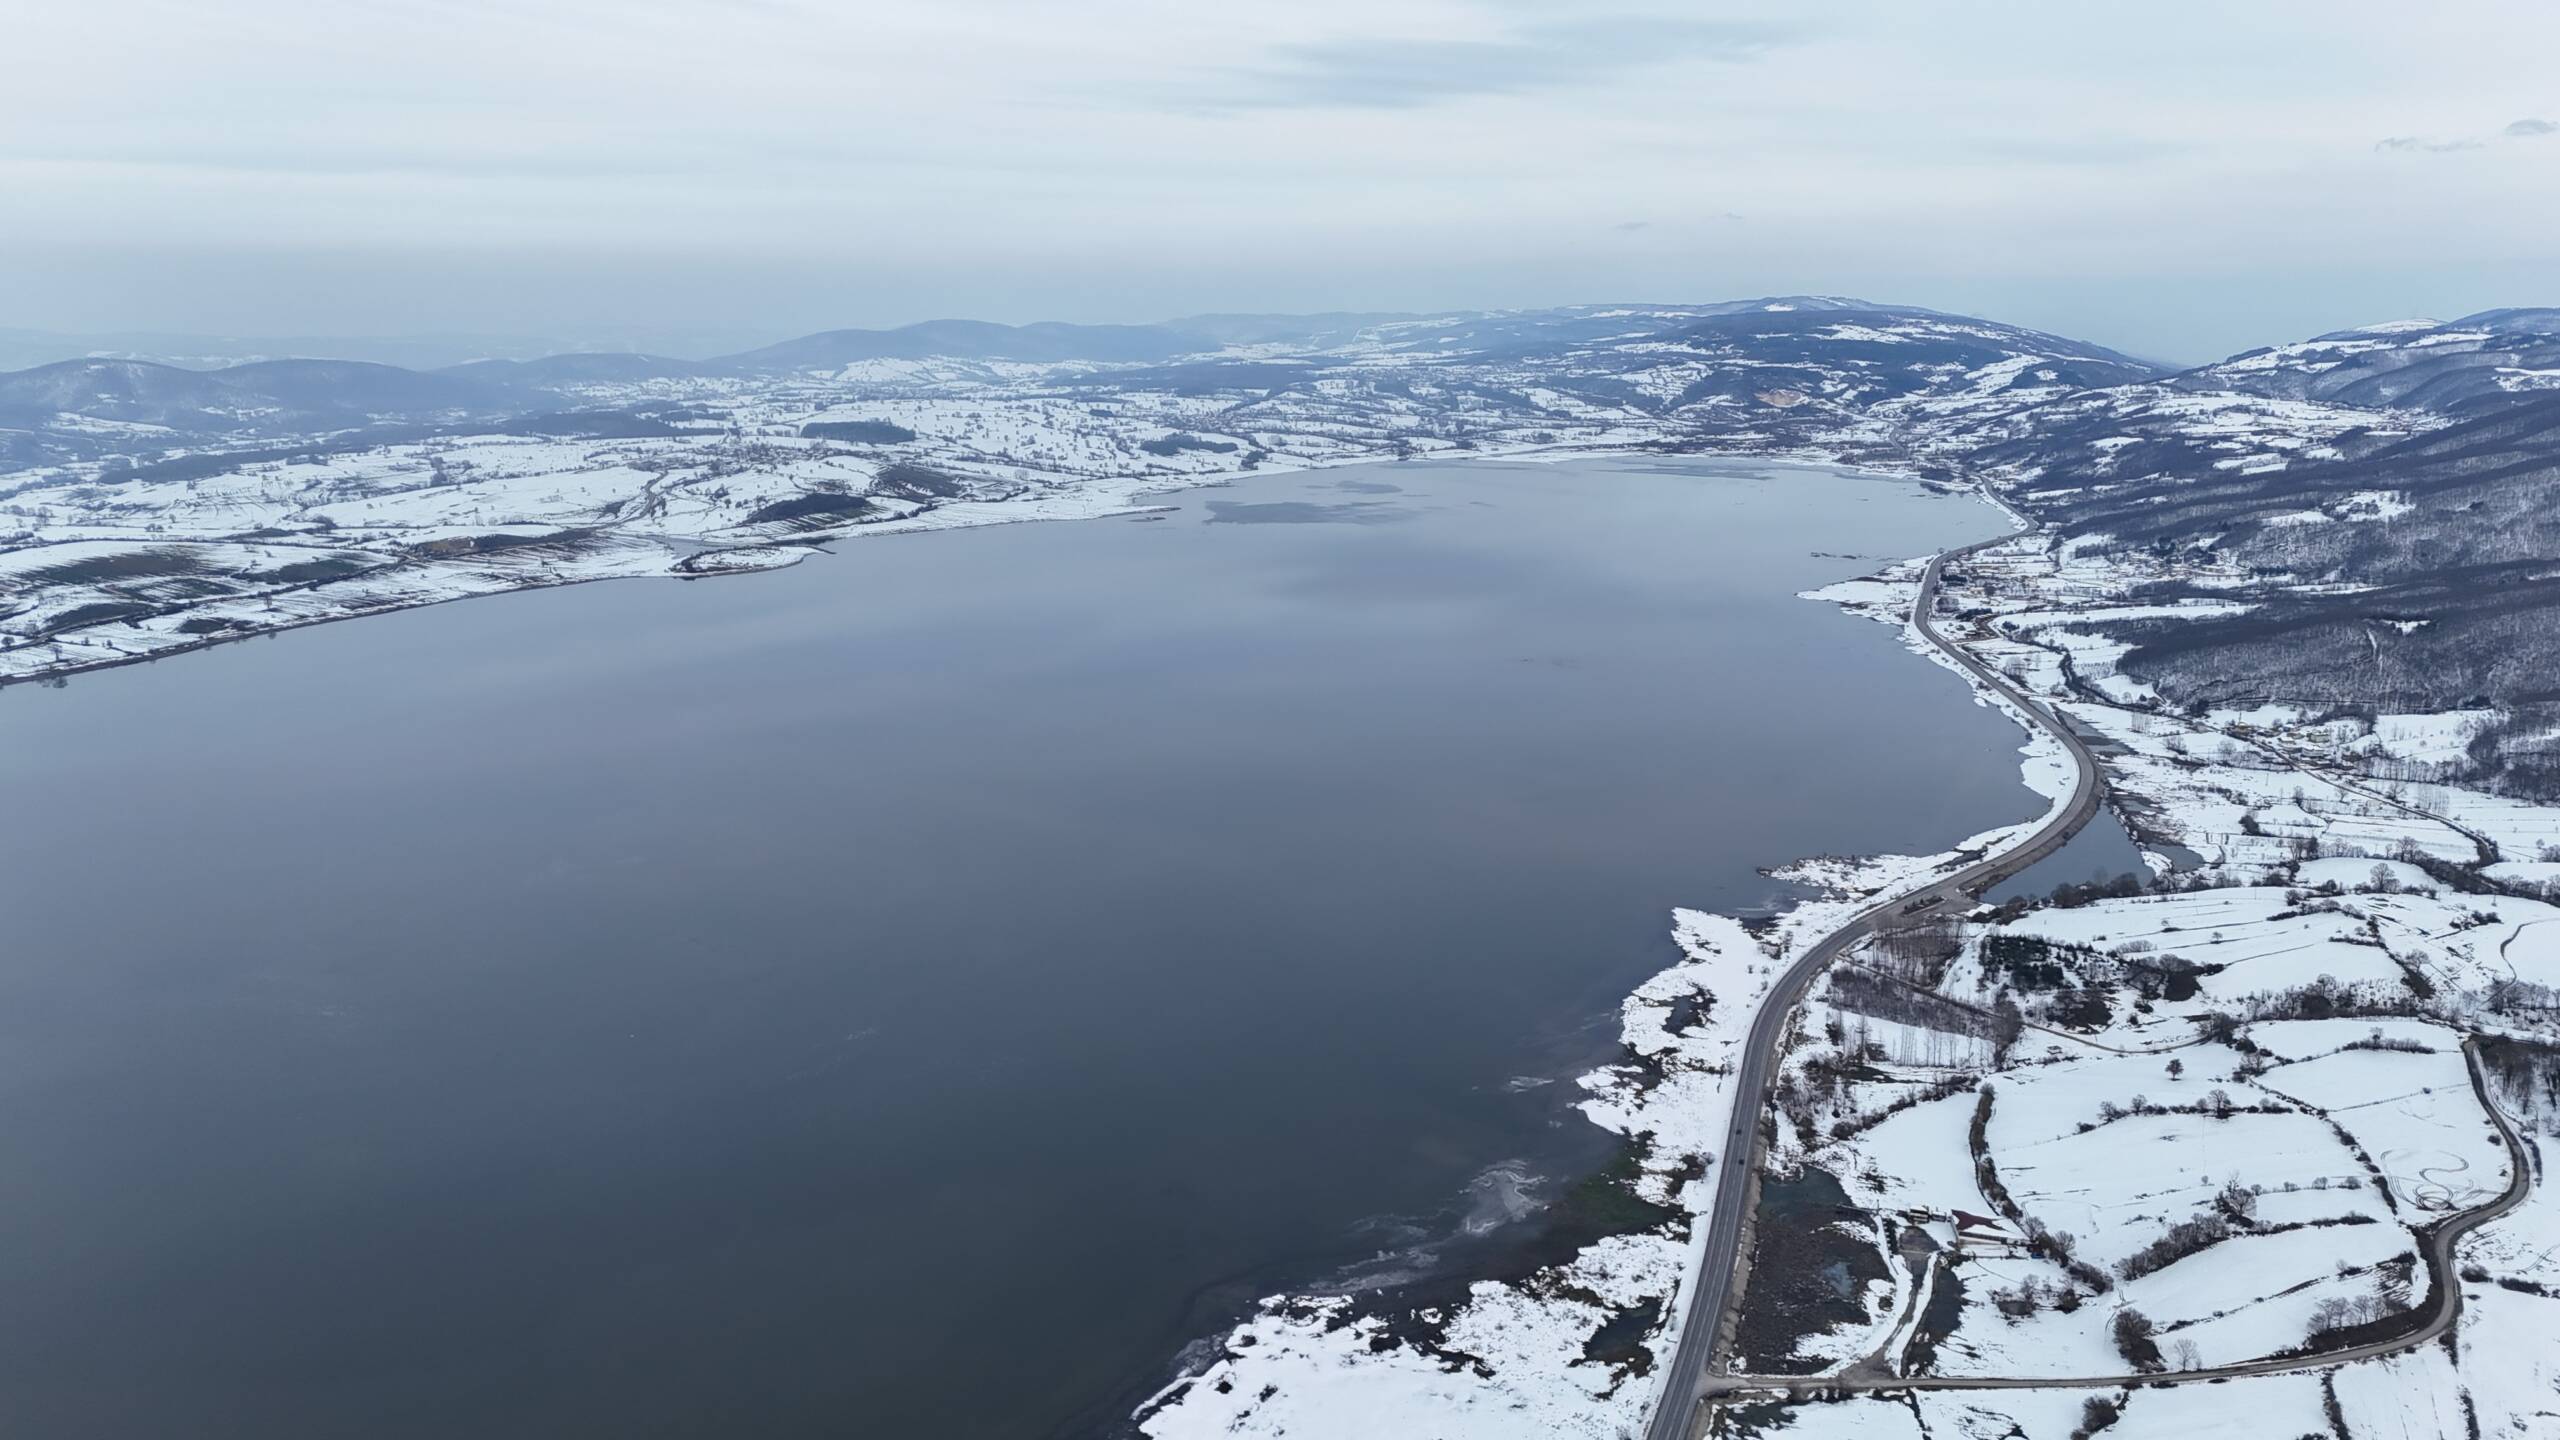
(2526, 1074)
(2030, 1295)
(2235, 1209)
(2097, 1413)
(1916, 952)
(2508, 995)
(2335, 1319)
(2134, 1335)
(1860, 992)
(1805, 1092)
(2029, 962)
(2216, 1103)
(2327, 998)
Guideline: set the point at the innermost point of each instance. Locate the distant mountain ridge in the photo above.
(2433, 365)
(263, 394)
(1842, 351)
(1770, 366)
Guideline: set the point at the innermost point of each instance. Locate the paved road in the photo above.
(2444, 1284)
(1686, 1381)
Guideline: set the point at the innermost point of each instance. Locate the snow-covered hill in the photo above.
(2416, 364)
(148, 507)
(2355, 472)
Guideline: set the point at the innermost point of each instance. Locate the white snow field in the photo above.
(2321, 1113)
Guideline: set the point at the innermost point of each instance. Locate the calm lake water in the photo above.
(910, 994)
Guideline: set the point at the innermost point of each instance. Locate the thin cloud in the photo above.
(2526, 129)
(1408, 74)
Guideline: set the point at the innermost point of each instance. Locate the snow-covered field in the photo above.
(2234, 1107)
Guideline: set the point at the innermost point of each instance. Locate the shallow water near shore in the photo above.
(915, 992)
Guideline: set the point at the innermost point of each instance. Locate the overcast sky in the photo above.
(2180, 179)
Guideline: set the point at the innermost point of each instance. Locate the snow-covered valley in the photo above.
(2302, 604)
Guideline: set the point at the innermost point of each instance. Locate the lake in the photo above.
(916, 992)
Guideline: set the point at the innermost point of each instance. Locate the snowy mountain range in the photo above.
(148, 506)
(1712, 364)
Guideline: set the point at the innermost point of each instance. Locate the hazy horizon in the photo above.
(2181, 181)
(428, 348)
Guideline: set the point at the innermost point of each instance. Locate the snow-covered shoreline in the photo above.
(2242, 811)
(397, 568)
(1510, 1360)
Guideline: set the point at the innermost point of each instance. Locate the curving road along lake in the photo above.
(910, 994)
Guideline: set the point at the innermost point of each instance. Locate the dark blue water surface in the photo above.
(912, 993)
